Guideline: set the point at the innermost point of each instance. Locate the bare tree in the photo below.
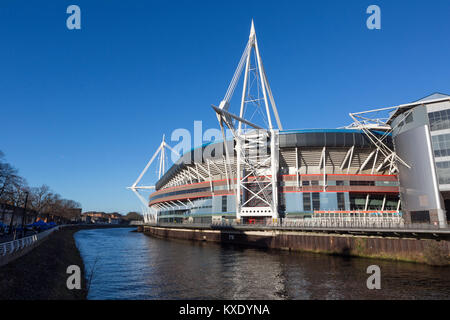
(40, 199)
(10, 182)
(14, 191)
(68, 209)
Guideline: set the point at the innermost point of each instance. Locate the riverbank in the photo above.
(431, 252)
(132, 266)
(41, 273)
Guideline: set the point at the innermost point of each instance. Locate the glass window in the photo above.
(439, 120)
(375, 202)
(224, 203)
(357, 202)
(316, 201)
(391, 203)
(306, 201)
(420, 216)
(409, 118)
(443, 172)
(362, 183)
(441, 145)
(341, 201)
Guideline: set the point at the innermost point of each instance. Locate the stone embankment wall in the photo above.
(406, 249)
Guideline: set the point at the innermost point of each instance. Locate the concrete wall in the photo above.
(426, 251)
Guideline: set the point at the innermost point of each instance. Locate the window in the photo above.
(420, 217)
(339, 183)
(316, 201)
(409, 118)
(362, 183)
(441, 145)
(282, 203)
(224, 203)
(341, 201)
(305, 183)
(306, 201)
(391, 203)
(315, 183)
(443, 172)
(357, 202)
(439, 120)
(375, 202)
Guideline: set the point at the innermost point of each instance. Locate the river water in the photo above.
(130, 265)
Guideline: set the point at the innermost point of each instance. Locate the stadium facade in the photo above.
(376, 170)
(320, 172)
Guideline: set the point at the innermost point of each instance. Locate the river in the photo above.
(130, 265)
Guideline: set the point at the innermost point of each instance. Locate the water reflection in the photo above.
(131, 265)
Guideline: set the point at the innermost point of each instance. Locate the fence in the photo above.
(14, 249)
(330, 224)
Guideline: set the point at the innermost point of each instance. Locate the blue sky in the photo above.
(83, 110)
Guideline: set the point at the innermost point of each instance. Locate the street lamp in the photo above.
(24, 213)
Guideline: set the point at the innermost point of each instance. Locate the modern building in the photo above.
(321, 172)
(421, 135)
(375, 172)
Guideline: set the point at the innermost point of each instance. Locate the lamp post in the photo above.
(24, 213)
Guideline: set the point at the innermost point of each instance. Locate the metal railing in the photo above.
(393, 224)
(14, 246)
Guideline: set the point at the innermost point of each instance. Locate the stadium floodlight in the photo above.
(149, 213)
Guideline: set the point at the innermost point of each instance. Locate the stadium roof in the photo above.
(312, 138)
(432, 98)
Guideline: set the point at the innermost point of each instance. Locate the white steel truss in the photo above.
(257, 150)
(150, 213)
(366, 123)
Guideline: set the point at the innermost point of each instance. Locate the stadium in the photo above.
(321, 173)
(366, 174)
(265, 174)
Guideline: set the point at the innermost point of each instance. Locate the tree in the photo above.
(133, 216)
(54, 206)
(14, 190)
(70, 209)
(40, 199)
(10, 182)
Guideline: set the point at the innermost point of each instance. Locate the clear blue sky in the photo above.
(82, 111)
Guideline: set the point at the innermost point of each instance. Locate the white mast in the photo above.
(150, 214)
(256, 150)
